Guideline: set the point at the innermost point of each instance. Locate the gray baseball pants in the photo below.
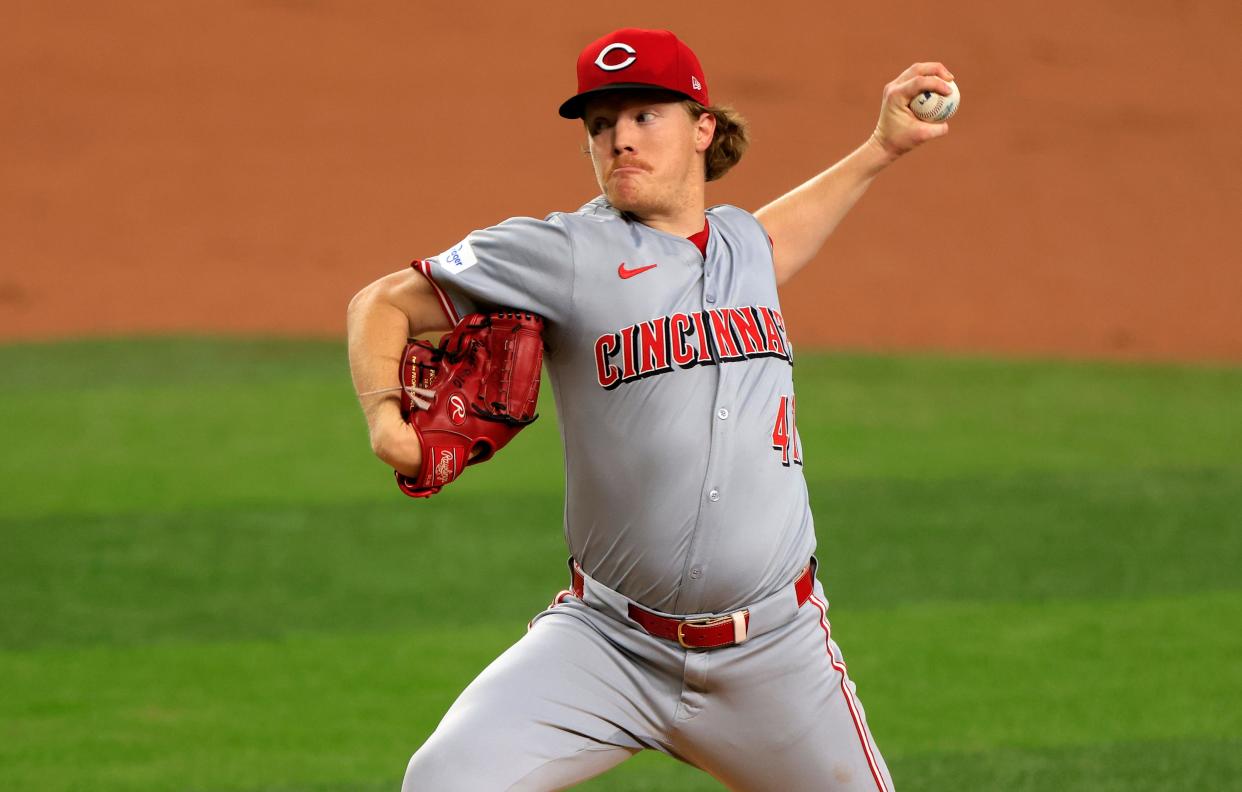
(586, 688)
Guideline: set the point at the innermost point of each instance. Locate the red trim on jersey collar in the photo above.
(700, 239)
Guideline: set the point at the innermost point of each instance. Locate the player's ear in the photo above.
(704, 131)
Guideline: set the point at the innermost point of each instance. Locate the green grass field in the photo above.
(207, 582)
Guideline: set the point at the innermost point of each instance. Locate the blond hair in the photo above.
(728, 144)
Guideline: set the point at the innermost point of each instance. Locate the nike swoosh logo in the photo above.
(629, 273)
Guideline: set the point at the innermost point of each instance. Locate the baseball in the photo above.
(932, 107)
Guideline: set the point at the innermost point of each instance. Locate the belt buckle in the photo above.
(739, 627)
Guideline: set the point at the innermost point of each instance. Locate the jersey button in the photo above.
(711, 298)
(696, 573)
(713, 496)
(722, 413)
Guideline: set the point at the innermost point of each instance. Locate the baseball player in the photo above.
(693, 624)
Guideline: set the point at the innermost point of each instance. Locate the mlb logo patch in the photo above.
(458, 258)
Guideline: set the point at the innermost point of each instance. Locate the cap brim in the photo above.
(573, 107)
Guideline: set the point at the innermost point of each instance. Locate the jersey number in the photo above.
(785, 433)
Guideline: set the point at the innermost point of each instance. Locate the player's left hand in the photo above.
(467, 396)
(898, 130)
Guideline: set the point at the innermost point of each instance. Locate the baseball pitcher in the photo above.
(693, 623)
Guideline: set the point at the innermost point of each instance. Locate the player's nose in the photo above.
(623, 136)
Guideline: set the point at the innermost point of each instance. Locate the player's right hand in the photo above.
(898, 130)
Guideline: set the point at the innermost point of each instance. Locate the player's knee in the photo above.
(466, 755)
(438, 766)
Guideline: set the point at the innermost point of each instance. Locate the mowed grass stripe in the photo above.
(1150, 766)
(113, 426)
(933, 417)
(939, 681)
(305, 711)
(1047, 674)
(167, 447)
(263, 573)
(236, 573)
(1030, 537)
(1124, 767)
(1153, 766)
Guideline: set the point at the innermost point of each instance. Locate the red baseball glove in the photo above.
(485, 374)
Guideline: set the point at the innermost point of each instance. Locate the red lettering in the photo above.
(705, 341)
(653, 346)
(780, 322)
(772, 333)
(628, 371)
(780, 430)
(723, 336)
(680, 326)
(689, 339)
(608, 375)
(748, 330)
(793, 422)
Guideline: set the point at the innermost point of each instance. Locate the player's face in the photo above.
(647, 152)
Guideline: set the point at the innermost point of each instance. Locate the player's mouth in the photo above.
(628, 168)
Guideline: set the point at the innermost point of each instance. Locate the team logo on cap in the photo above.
(604, 53)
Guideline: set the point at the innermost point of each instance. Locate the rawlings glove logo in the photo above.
(457, 409)
(445, 467)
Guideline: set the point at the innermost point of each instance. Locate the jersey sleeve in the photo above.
(522, 263)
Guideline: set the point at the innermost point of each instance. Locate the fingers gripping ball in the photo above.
(485, 374)
(934, 108)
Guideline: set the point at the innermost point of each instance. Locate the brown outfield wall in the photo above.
(213, 165)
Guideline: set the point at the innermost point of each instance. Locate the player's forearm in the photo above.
(801, 220)
(379, 321)
(377, 332)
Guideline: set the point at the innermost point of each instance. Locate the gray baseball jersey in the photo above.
(672, 371)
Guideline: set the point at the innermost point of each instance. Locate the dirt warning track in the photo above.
(246, 166)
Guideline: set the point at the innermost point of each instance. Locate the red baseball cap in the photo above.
(635, 58)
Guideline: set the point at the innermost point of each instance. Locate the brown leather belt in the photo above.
(707, 633)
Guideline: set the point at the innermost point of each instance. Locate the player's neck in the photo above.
(684, 220)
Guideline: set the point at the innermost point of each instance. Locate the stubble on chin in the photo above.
(628, 196)
(622, 200)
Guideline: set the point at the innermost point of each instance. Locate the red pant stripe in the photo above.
(860, 726)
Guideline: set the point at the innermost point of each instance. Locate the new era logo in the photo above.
(694, 83)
